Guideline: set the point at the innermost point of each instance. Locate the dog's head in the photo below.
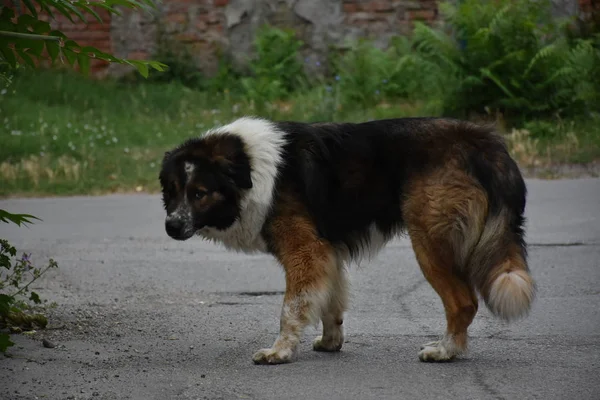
(203, 182)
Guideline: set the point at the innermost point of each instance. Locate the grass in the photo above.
(64, 135)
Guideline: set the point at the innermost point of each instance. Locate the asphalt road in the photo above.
(141, 316)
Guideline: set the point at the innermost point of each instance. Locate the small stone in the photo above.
(202, 376)
(95, 394)
(97, 353)
(48, 344)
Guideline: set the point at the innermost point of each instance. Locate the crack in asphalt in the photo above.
(486, 387)
(565, 244)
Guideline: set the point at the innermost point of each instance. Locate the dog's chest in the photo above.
(244, 235)
(237, 239)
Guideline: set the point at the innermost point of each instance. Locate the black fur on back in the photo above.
(353, 176)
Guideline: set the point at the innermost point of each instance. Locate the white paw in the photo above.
(331, 343)
(437, 351)
(273, 356)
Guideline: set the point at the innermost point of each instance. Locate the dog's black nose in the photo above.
(174, 227)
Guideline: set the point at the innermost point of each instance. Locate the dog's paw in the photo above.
(430, 344)
(328, 344)
(273, 356)
(437, 351)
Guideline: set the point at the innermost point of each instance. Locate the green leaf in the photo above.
(141, 67)
(70, 55)
(47, 9)
(67, 4)
(158, 66)
(30, 7)
(7, 14)
(63, 11)
(17, 219)
(5, 261)
(9, 56)
(24, 21)
(91, 11)
(5, 302)
(33, 296)
(488, 74)
(57, 33)
(41, 27)
(84, 63)
(32, 47)
(5, 342)
(25, 56)
(53, 49)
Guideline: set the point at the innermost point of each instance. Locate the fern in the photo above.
(544, 53)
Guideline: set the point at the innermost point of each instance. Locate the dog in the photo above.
(318, 196)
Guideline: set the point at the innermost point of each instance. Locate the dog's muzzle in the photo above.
(177, 229)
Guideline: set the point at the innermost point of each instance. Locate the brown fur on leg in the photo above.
(445, 215)
(459, 300)
(332, 316)
(310, 267)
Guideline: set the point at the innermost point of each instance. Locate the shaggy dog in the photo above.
(317, 196)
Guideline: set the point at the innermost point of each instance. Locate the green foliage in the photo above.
(506, 55)
(276, 70)
(182, 67)
(16, 219)
(510, 56)
(360, 73)
(24, 40)
(16, 276)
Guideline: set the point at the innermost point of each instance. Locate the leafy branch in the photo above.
(28, 39)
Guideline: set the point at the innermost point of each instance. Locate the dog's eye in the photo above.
(199, 194)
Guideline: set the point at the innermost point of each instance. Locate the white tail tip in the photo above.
(511, 295)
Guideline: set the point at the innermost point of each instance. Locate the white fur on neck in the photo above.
(263, 143)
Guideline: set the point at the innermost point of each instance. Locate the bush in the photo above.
(16, 276)
(276, 70)
(360, 73)
(506, 55)
(182, 66)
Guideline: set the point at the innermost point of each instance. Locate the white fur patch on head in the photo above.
(189, 170)
(263, 143)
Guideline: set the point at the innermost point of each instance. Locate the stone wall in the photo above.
(207, 28)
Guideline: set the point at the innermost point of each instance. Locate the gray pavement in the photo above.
(141, 316)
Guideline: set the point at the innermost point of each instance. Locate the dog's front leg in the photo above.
(310, 268)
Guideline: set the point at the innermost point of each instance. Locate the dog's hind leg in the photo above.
(444, 217)
(332, 316)
(458, 297)
(310, 265)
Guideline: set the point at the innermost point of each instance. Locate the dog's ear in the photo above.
(229, 155)
(239, 172)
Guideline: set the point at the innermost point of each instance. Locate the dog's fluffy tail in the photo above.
(497, 265)
(498, 269)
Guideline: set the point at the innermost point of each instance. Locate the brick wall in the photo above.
(382, 16)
